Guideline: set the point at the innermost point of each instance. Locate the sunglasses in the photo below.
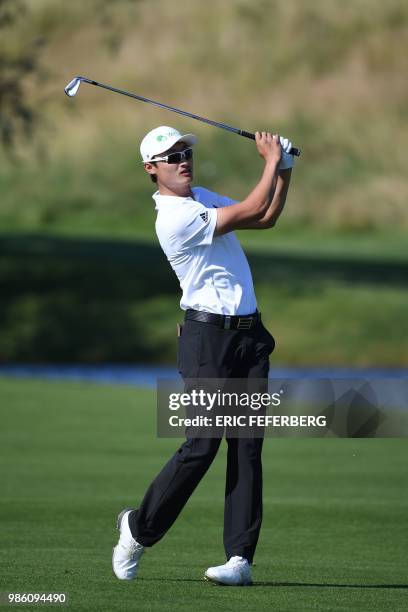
(175, 158)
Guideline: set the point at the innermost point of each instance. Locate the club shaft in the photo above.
(294, 150)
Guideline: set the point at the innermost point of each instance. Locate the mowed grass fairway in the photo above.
(73, 455)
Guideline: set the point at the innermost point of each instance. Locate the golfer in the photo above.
(222, 337)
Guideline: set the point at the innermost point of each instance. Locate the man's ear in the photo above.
(150, 168)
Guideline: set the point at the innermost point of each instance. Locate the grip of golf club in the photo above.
(294, 150)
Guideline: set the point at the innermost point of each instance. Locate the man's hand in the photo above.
(285, 144)
(268, 146)
(287, 160)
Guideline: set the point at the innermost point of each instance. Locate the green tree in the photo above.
(18, 59)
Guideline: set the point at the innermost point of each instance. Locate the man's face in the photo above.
(172, 177)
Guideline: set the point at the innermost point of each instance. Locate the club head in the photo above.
(72, 88)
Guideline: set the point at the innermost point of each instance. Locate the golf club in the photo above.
(72, 89)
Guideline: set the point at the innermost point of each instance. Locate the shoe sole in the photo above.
(218, 583)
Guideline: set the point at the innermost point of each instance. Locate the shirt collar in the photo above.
(167, 199)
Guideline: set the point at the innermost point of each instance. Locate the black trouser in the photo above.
(208, 351)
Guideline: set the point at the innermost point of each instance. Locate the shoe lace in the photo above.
(135, 547)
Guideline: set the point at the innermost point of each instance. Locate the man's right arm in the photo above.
(256, 204)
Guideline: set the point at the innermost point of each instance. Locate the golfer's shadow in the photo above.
(329, 585)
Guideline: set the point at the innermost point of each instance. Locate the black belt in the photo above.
(224, 321)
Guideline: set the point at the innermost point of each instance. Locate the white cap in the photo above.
(162, 138)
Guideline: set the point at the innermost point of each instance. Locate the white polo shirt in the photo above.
(213, 271)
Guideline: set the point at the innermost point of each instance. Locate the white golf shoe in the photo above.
(127, 552)
(236, 572)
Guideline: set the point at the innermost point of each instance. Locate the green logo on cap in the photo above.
(161, 137)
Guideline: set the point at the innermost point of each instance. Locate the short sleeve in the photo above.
(213, 199)
(224, 201)
(195, 226)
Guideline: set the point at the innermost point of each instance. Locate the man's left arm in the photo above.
(277, 198)
(277, 204)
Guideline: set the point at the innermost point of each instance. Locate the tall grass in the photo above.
(331, 75)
